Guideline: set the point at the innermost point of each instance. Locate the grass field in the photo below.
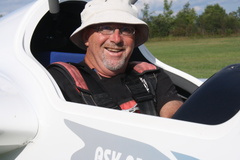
(200, 57)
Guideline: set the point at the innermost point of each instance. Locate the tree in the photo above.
(213, 19)
(158, 26)
(185, 22)
(162, 24)
(233, 22)
(168, 17)
(146, 14)
(238, 13)
(167, 12)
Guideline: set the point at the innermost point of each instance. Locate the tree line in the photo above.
(213, 21)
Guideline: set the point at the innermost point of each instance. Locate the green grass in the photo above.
(200, 57)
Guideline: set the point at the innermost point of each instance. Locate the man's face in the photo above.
(110, 46)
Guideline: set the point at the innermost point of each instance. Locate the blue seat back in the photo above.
(66, 57)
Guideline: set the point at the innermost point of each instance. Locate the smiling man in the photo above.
(109, 47)
(109, 32)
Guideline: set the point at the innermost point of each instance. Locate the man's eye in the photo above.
(126, 29)
(106, 28)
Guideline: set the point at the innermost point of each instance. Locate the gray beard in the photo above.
(113, 66)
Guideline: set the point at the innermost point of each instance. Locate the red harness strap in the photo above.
(76, 75)
(142, 67)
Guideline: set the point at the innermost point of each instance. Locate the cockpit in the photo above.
(213, 103)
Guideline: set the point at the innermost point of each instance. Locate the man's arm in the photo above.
(170, 108)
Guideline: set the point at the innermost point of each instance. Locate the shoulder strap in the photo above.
(95, 96)
(75, 74)
(142, 83)
(72, 83)
(142, 67)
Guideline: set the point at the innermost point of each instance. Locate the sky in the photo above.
(198, 5)
(7, 6)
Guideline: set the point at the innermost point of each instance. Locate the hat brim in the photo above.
(142, 30)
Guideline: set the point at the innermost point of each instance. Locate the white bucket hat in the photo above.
(110, 11)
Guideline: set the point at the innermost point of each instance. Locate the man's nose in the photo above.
(116, 36)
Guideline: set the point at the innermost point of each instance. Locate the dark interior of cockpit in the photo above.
(51, 37)
(53, 31)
